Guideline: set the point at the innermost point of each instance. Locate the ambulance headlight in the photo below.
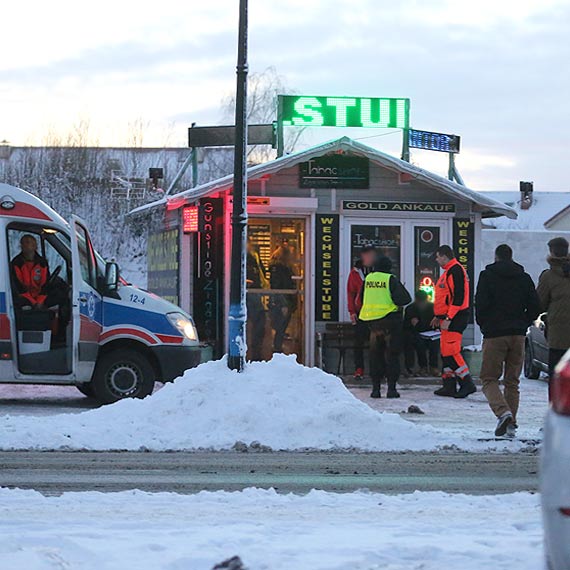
(184, 325)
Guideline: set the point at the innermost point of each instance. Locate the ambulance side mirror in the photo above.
(111, 276)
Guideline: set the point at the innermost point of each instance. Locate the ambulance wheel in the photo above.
(86, 388)
(122, 374)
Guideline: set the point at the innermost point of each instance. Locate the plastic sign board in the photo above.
(190, 219)
(310, 111)
(433, 141)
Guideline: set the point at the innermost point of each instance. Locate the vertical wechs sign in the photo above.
(464, 247)
(326, 268)
(208, 294)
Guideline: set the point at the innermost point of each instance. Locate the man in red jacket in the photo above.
(451, 308)
(31, 273)
(354, 297)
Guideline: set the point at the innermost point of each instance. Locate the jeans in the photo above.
(421, 348)
(361, 334)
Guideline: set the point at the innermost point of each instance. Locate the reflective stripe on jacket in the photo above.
(452, 290)
(377, 300)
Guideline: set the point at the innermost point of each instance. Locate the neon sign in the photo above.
(427, 285)
(190, 219)
(309, 111)
(433, 141)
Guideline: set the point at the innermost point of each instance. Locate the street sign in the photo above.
(226, 136)
(433, 141)
(373, 112)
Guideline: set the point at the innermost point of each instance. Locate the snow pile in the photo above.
(318, 531)
(280, 404)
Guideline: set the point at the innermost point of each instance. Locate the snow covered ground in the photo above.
(318, 531)
(281, 405)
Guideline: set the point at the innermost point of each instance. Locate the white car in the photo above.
(555, 471)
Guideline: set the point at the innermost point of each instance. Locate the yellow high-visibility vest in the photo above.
(377, 301)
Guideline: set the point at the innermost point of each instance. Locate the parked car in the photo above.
(555, 467)
(536, 349)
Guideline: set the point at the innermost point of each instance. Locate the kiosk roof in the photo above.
(485, 204)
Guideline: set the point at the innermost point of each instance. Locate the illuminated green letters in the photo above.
(309, 111)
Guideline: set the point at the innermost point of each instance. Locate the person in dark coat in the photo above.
(554, 294)
(283, 305)
(417, 319)
(255, 279)
(506, 304)
(383, 297)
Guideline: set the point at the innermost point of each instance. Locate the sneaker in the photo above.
(512, 430)
(358, 374)
(503, 423)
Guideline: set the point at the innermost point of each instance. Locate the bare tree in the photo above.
(262, 90)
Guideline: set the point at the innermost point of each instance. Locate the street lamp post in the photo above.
(237, 347)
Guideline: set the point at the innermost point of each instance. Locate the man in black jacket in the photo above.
(383, 297)
(506, 304)
(417, 319)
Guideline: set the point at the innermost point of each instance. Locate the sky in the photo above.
(495, 72)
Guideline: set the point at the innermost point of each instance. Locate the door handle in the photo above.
(83, 299)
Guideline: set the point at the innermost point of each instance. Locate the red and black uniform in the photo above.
(452, 304)
(30, 278)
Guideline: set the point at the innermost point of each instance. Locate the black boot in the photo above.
(376, 388)
(392, 392)
(448, 389)
(466, 387)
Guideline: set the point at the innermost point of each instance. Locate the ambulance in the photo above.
(105, 336)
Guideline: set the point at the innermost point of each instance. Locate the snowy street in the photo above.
(288, 471)
(318, 531)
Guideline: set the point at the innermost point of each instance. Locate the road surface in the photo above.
(57, 472)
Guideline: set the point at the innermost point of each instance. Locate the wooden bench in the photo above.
(337, 336)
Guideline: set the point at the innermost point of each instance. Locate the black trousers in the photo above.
(255, 316)
(280, 318)
(425, 350)
(361, 334)
(385, 348)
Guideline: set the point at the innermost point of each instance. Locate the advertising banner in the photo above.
(327, 255)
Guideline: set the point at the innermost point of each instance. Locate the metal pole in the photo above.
(237, 347)
(451, 169)
(280, 134)
(406, 145)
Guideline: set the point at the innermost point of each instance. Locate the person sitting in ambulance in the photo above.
(35, 288)
(31, 275)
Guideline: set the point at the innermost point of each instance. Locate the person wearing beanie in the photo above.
(554, 295)
(383, 297)
(506, 304)
(417, 319)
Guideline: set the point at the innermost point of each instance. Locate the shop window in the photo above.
(426, 269)
(386, 239)
(275, 287)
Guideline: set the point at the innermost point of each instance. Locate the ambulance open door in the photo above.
(87, 301)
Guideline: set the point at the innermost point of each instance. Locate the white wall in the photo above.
(529, 247)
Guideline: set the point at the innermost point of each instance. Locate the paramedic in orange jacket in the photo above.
(31, 273)
(451, 310)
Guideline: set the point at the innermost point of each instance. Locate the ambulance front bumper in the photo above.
(173, 361)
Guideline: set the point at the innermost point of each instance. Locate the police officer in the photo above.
(383, 297)
(451, 310)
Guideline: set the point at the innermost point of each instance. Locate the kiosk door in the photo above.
(276, 287)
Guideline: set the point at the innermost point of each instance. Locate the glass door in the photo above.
(385, 237)
(276, 287)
